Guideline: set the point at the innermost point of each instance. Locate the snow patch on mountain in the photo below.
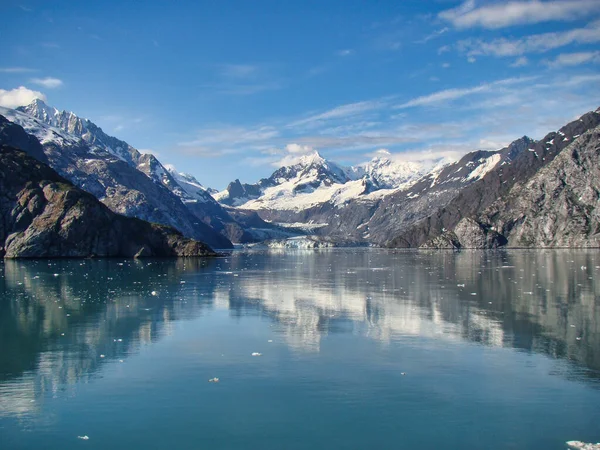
(487, 164)
(192, 187)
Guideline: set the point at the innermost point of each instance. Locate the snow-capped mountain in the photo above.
(133, 183)
(84, 129)
(387, 173)
(193, 189)
(313, 180)
(128, 182)
(365, 203)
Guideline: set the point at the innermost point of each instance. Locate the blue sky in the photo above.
(229, 89)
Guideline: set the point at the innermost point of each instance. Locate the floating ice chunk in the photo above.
(56, 274)
(270, 340)
(154, 293)
(256, 354)
(460, 285)
(213, 380)
(85, 438)
(102, 356)
(583, 446)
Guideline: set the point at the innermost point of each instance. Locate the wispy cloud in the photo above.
(243, 79)
(537, 43)
(348, 110)
(456, 93)
(433, 35)
(20, 96)
(226, 139)
(484, 116)
(522, 61)
(345, 52)
(573, 59)
(238, 70)
(505, 14)
(16, 70)
(48, 82)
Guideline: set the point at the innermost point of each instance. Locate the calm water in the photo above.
(360, 349)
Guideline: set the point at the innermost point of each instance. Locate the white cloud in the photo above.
(505, 14)
(520, 62)
(574, 59)
(454, 94)
(48, 82)
(20, 96)
(16, 70)
(537, 43)
(297, 149)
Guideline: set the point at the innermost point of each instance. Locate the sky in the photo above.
(232, 89)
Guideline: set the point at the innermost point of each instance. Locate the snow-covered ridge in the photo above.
(64, 128)
(312, 180)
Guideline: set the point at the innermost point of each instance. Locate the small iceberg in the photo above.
(85, 438)
(583, 446)
(213, 380)
(256, 354)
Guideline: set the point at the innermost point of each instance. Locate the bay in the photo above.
(353, 348)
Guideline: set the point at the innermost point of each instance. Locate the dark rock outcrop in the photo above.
(44, 216)
(560, 205)
(503, 187)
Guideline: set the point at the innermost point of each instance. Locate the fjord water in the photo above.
(359, 349)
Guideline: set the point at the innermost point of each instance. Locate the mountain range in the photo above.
(531, 193)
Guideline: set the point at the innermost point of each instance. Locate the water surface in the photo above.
(359, 349)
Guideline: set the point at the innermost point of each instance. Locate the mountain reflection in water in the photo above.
(61, 321)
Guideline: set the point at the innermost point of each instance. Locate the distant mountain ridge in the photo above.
(430, 203)
(313, 180)
(368, 203)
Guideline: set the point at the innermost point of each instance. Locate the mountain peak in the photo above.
(305, 160)
(39, 109)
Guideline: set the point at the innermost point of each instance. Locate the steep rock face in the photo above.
(15, 136)
(473, 200)
(468, 234)
(560, 205)
(110, 177)
(185, 187)
(43, 215)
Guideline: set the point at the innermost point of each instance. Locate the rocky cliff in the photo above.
(547, 197)
(44, 216)
(106, 175)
